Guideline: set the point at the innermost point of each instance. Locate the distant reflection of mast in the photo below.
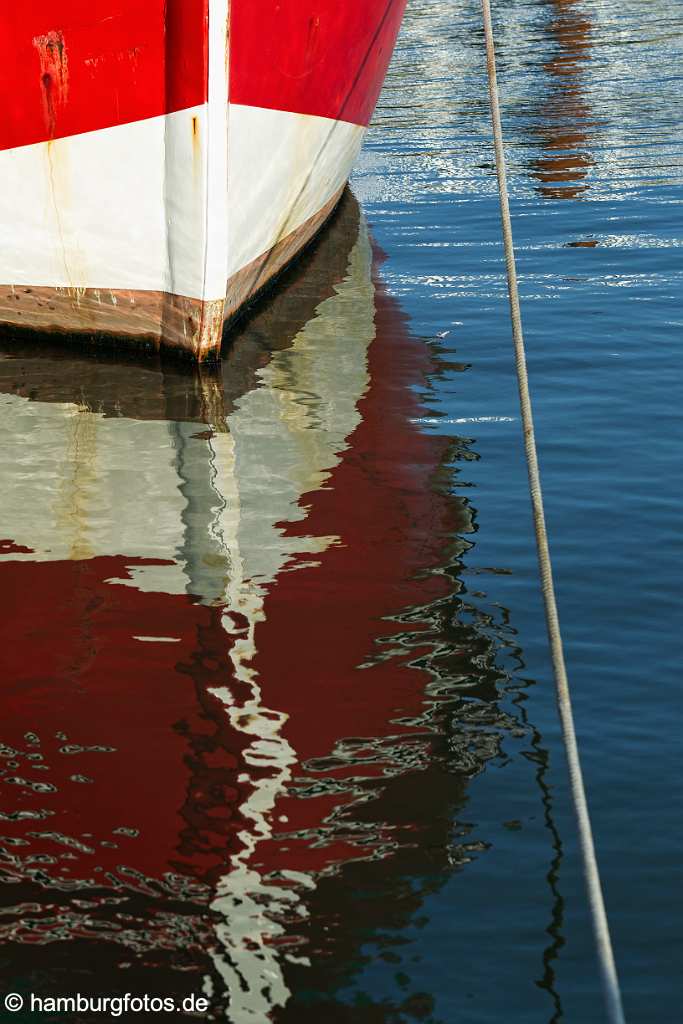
(503, 635)
(540, 757)
(557, 940)
(565, 114)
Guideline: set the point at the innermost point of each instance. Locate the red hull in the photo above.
(78, 65)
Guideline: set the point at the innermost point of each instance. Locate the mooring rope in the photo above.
(610, 981)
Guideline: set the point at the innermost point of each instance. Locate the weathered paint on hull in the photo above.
(159, 168)
(154, 318)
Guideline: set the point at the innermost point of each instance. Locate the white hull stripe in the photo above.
(127, 207)
(282, 169)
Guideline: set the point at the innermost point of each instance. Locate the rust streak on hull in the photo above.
(103, 316)
(153, 319)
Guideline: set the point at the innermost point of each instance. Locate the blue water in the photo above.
(594, 138)
(278, 725)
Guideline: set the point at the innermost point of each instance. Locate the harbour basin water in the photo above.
(278, 724)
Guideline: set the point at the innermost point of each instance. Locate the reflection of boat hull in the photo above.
(212, 699)
(150, 193)
(181, 598)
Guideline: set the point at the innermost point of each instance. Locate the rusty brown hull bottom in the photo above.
(149, 319)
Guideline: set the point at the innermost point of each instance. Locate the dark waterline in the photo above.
(278, 723)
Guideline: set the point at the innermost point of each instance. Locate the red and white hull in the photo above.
(160, 163)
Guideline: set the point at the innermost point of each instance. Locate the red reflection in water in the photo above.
(134, 763)
(566, 114)
(324, 621)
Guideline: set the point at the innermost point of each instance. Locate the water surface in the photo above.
(278, 721)
(591, 107)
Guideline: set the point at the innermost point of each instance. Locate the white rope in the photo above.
(610, 981)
